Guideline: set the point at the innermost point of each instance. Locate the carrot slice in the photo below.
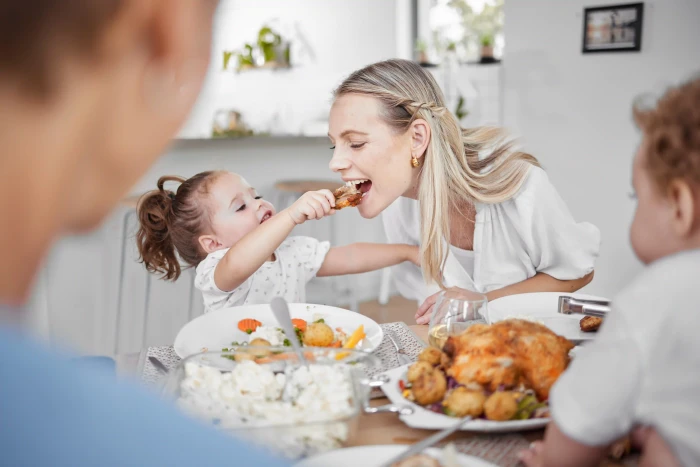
(299, 324)
(248, 325)
(335, 344)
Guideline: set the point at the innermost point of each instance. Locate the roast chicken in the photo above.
(509, 354)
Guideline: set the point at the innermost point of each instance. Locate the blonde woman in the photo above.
(486, 216)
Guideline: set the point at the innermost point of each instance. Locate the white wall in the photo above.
(573, 111)
(329, 41)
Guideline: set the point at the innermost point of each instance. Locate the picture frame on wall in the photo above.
(613, 28)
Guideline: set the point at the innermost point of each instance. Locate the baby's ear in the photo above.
(209, 243)
(684, 206)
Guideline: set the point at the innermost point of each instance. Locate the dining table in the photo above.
(387, 428)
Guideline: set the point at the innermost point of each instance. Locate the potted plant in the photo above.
(270, 43)
(461, 110)
(486, 42)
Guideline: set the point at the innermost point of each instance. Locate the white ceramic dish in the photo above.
(427, 419)
(541, 306)
(372, 456)
(216, 330)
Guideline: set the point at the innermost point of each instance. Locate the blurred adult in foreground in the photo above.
(91, 92)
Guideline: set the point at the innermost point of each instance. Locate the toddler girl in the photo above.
(218, 223)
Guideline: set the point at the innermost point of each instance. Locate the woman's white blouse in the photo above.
(513, 240)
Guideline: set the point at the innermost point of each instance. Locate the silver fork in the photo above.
(401, 354)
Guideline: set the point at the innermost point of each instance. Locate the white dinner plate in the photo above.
(541, 306)
(427, 419)
(216, 330)
(373, 456)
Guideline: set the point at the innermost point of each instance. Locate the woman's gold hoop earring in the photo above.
(414, 162)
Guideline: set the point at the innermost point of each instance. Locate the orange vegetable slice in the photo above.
(249, 325)
(299, 324)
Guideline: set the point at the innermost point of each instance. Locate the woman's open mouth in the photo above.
(363, 186)
(266, 216)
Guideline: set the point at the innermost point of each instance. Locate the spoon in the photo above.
(281, 312)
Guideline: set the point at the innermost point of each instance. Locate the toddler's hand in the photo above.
(312, 205)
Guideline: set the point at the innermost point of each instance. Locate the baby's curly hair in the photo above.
(672, 134)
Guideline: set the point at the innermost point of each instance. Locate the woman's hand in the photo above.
(312, 205)
(426, 309)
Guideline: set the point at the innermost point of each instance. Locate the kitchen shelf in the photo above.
(254, 138)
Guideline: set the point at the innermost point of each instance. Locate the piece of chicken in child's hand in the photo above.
(347, 196)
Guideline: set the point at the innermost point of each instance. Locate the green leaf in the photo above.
(227, 58)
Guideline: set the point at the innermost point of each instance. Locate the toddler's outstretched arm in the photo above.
(363, 257)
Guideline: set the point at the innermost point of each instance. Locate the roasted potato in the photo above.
(318, 335)
(590, 323)
(430, 387)
(501, 406)
(462, 402)
(241, 357)
(417, 369)
(259, 352)
(259, 342)
(430, 355)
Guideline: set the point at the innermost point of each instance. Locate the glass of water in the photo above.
(454, 311)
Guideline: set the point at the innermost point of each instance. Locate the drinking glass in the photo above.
(454, 312)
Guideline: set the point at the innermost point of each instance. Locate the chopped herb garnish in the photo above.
(230, 357)
(225, 349)
(234, 344)
(300, 335)
(249, 331)
(287, 343)
(320, 321)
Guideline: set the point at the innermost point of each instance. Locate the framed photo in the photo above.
(613, 28)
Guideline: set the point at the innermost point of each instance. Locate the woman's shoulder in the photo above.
(535, 193)
(535, 179)
(536, 187)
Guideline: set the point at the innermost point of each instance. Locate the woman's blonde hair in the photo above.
(452, 173)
